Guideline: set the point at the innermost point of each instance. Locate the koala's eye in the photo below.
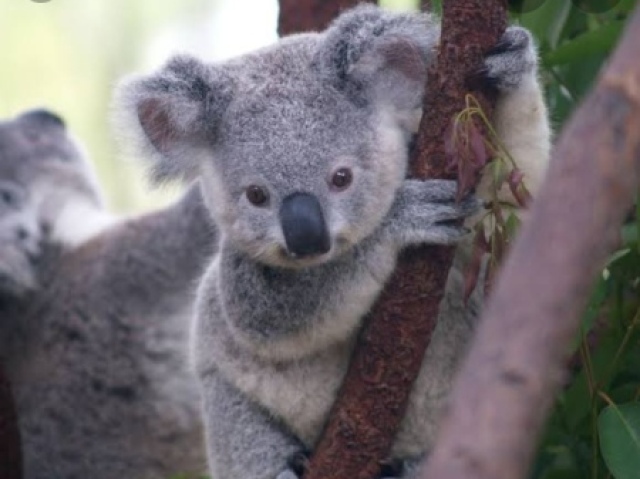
(8, 198)
(341, 178)
(256, 195)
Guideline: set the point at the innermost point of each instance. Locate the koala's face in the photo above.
(38, 165)
(298, 175)
(301, 146)
(19, 239)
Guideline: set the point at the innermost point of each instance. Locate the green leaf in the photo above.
(618, 255)
(547, 21)
(512, 225)
(625, 6)
(619, 431)
(596, 300)
(594, 42)
(630, 236)
(499, 173)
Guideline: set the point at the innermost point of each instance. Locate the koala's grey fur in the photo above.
(274, 329)
(94, 342)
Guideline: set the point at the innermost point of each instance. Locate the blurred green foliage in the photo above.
(66, 55)
(594, 430)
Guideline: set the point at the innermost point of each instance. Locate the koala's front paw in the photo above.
(426, 212)
(297, 465)
(512, 60)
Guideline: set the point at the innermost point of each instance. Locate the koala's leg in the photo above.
(425, 212)
(242, 440)
(521, 117)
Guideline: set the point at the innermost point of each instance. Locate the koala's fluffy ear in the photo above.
(173, 115)
(375, 55)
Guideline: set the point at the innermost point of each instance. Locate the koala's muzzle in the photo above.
(303, 225)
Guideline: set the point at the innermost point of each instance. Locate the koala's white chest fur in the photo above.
(299, 393)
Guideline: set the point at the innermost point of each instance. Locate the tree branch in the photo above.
(510, 378)
(311, 15)
(10, 450)
(374, 395)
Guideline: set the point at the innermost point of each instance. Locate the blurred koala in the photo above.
(94, 315)
(35, 148)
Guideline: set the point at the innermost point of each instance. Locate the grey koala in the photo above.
(302, 152)
(32, 147)
(94, 315)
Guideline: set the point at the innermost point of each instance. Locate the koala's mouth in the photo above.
(292, 259)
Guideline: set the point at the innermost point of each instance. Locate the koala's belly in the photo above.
(300, 393)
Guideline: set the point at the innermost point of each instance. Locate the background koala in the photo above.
(95, 342)
(33, 147)
(302, 150)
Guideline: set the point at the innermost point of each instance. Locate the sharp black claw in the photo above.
(299, 461)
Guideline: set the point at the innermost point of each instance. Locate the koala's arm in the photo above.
(243, 441)
(521, 119)
(425, 212)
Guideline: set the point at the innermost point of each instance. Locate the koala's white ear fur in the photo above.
(372, 54)
(172, 115)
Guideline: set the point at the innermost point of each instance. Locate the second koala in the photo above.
(302, 150)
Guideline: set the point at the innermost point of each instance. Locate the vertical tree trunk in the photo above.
(310, 15)
(517, 361)
(374, 395)
(10, 451)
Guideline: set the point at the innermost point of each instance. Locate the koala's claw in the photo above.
(401, 468)
(513, 40)
(287, 474)
(511, 60)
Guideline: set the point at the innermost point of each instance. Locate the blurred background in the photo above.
(67, 55)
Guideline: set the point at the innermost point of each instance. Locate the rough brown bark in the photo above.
(310, 15)
(373, 399)
(10, 451)
(506, 388)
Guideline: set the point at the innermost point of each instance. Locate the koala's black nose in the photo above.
(303, 225)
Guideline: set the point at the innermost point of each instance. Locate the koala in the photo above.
(302, 151)
(32, 146)
(94, 315)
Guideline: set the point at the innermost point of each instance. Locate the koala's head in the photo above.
(41, 169)
(300, 146)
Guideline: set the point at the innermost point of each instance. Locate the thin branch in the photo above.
(374, 395)
(310, 15)
(516, 364)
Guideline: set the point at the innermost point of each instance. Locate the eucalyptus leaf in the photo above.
(619, 432)
(594, 42)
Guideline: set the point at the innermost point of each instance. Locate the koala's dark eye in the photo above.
(341, 178)
(8, 198)
(256, 195)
